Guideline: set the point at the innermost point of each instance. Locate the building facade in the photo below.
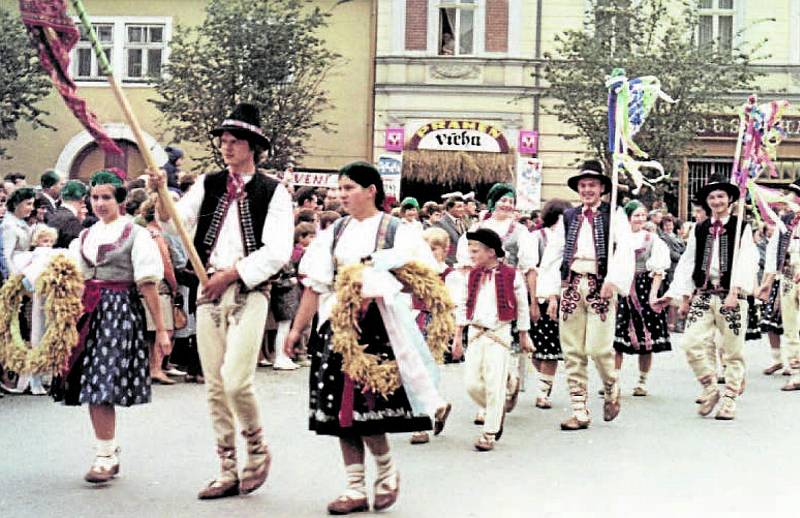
(136, 35)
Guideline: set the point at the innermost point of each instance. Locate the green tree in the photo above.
(22, 81)
(657, 37)
(266, 52)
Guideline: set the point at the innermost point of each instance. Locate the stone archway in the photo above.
(82, 152)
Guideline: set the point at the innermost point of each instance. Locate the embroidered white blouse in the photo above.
(277, 235)
(356, 241)
(526, 256)
(145, 257)
(659, 261)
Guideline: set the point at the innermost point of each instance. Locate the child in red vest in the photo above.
(495, 295)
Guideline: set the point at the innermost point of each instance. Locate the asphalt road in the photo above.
(657, 459)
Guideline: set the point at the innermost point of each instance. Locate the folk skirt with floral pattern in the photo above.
(114, 366)
(771, 320)
(640, 330)
(339, 406)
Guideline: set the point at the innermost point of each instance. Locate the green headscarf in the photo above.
(409, 201)
(499, 190)
(73, 190)
(104, 177)
(632, 206)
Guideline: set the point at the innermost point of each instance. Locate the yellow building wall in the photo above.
(349, 88)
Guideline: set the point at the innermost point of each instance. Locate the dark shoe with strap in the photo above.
(441, 418)
(219, 489)
(346, 505)
(256, 470)
(769, 371)
(611, 405)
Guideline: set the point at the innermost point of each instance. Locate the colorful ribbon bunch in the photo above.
(629, 104)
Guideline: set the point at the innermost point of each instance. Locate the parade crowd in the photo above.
(476, 280)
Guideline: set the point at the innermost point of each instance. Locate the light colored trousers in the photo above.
(485, 372)
(790, 315)
(229, 335)
(707, 314)
(586, 330)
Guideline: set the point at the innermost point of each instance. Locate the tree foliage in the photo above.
(657, 37)
(23, 83)
(266, 52)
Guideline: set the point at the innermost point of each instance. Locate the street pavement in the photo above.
(657, 459)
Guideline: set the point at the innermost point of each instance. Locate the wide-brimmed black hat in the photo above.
(489, 238)
(716, 183)
(590, 169)
(244, 117)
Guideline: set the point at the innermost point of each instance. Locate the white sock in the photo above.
(385, 465)
(356, 487)
(776, 354)
(643, 378)
(545, 384)
(106, 448)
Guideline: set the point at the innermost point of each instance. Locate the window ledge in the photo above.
(102, 83)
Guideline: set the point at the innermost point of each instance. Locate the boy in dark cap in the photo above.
(495, 295)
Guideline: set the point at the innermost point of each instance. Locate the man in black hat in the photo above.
(576, 266)
(243, 231)
(783, 262)
(495, 295)
(712, 282)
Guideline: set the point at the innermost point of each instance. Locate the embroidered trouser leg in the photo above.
(706, 315)
(790, 313)
(586, 330)
(229, 334)
(485, 371)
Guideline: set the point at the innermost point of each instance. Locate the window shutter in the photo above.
(416, 24)
(496, 25)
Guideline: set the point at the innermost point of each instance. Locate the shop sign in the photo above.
(728, 126)
(528, 142)
(395, 138)
(390, 167)
(529, 183)
(455, 135)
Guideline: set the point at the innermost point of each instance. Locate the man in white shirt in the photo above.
(576, 266)
(243, 229)
(712, 280)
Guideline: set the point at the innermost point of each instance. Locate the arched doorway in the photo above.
(81, 156)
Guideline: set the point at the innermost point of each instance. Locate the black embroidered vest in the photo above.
(784, 240)
(252, 209)
(704, 249)
(573, 219)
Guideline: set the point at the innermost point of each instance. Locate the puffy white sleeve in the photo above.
(549, 279)
(659, 261)
(682, 282)
(146, 258)
(462, 250)
(316, 266)
(744, 273)
(74, 252)
(459, 293)
(188, 208)
(523, 308)
(771, 264)
(622, 263)
(10, 238)
(528, 250)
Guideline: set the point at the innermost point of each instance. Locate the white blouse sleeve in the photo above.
(10, 238)
(146, 258)
(74, 252)
(744, 274)
(771, 264)
(523, 309)
(528, 250)
(659, 261)
(462, 250)
(549, 280)
(682, 282)
(188, 207)
(316, 266)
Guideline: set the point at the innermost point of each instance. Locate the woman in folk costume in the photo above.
(109, 367)
(712, 280)
(519, 248)
(339, 405)
(640, 329)
(544, 330)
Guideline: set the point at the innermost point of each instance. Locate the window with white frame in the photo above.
(84, 62)
(457, 27)
(716, 22)
(144, 51)
(136, 47)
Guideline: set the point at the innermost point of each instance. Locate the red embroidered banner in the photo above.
(54, 35)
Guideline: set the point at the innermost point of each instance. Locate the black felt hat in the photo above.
(590, 169)
(716, 183)
(489, 238)
(245, 117)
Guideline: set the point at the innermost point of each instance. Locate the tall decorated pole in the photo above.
(163, 193)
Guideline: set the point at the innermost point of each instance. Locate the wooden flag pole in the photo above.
(743, 125)
(133, 122)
